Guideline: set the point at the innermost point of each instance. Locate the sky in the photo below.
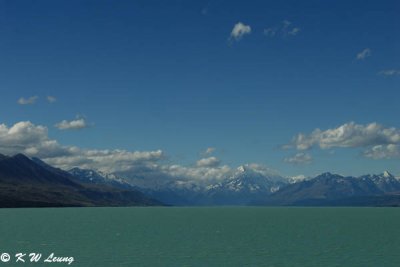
(299, 87)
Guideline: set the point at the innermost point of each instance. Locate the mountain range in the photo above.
(248, 187)
(242, 187)
(30, 182)
(330, 189)
(26, 182)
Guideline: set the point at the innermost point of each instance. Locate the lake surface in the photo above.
(220, 236)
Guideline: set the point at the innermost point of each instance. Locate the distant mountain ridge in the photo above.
(242, 187)
(248, 187)
(332, 189)
(98, 177)
(26, 182)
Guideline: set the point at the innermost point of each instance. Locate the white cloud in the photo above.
(203, 175)
(51, 99)
(348, 135)
(76, 124)
(299, 158)
(28, 101)
(383, 152)
(143, 168)
(391, 72)
(107, 160)
(239, 30)
(198, 173)
(364, 54)
(208, 162)
(377, 140)
(32, 140)
(25, 137)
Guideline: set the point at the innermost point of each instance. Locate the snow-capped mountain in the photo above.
(385, 181)
(98, 177)
(333, 189)
(245, 179)
(246, 185)
(250, 184)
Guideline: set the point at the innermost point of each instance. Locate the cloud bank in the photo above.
(147, 166)
(379, 141)
(77, 124)
(33, 140)
(383, 152)
(208, 162)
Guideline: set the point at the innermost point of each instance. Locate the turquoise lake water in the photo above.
(217, 236)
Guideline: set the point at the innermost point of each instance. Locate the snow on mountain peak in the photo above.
(241, 168)
(387, 174)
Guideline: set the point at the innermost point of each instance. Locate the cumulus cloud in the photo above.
(374, 137)
(204, 175)
(143, 168)
(284, 29)
(364, 54)
(33, 140)
(348, 135)
(51, 99)
(239, 30)
(208, 162)
(25, 137)
(76, 124)
(28, 101)
(107, 160)
(383, 152)
(198, 173)
(299, 158)
(391, 72)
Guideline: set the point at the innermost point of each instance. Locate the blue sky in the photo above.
(172, 76)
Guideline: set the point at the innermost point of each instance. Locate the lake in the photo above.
(200, 236)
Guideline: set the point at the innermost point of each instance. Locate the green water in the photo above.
(223, 236)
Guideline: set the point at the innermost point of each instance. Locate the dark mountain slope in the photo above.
(28, 183)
